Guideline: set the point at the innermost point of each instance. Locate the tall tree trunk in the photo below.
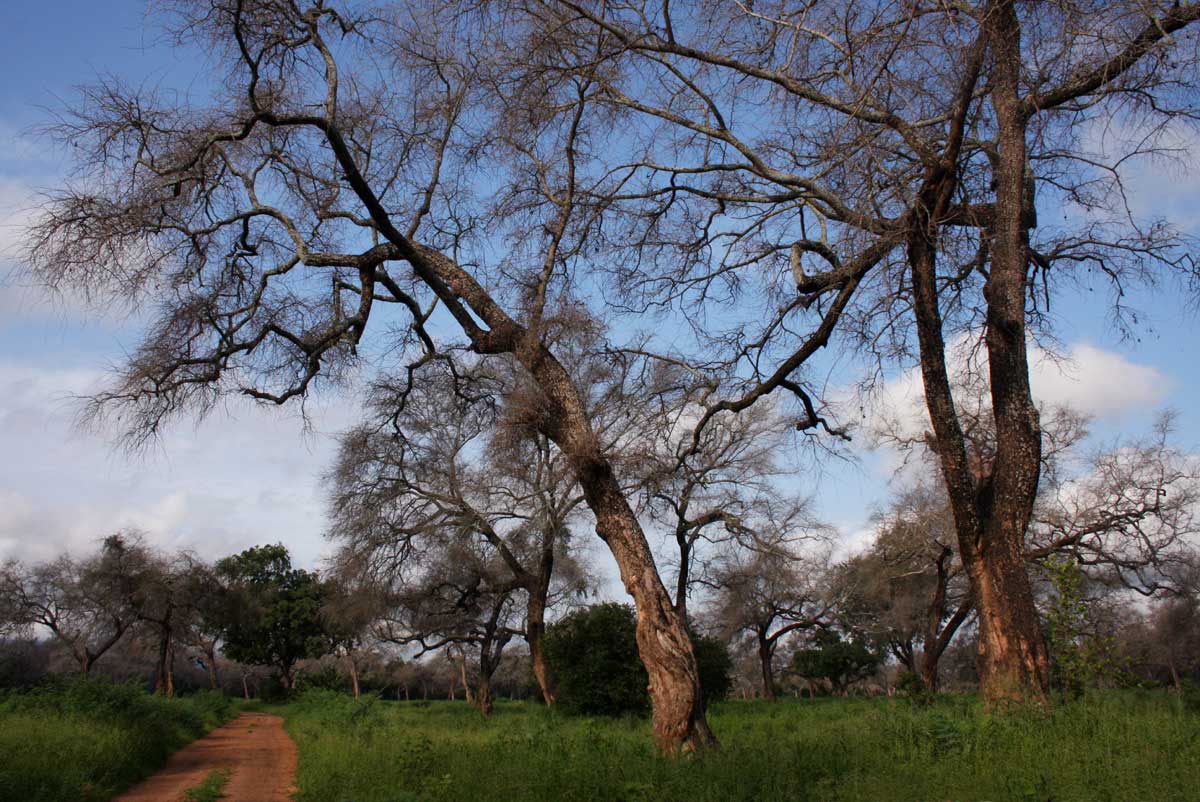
(462, 667)
(991, 503)
(214, 679)
(765, 658)
(171, 669)
(663, 642)
(245, 687)
(161, 672)
(1013, 660)
(483, 693)
(535, 628)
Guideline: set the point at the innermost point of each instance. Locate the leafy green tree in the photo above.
(593, 658)
(1079, 655)
(271, 612)
(837, 660)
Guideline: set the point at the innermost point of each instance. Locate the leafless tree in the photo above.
(88, 605)
(909, 588)
(873, 172)
(440, 472)
(460, 599)
(772, 586)
(1125, 511)
(354, 166)
(1127, 514)
(704, 492)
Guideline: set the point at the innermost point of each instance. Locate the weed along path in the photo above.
(255, 752)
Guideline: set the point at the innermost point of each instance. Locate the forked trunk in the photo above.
(929, 671)
(1012, 661)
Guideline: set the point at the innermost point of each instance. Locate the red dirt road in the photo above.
(259, 755)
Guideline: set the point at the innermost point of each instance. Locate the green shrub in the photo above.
(592, 654)
(716, 666)
(842, 662)
(593, 657)
(85, 740)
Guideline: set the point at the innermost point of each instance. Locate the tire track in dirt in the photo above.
(254, 748)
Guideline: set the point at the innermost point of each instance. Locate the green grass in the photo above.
(87, 741)
(211, 789)
(1118, 746)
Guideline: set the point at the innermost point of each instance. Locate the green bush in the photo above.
(86, 740)
(593, 658)
(716, 666)
(842, 662)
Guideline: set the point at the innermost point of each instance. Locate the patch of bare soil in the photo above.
(254, 748)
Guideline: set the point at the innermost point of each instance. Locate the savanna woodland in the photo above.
(615, 290)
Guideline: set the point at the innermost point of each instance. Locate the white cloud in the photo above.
(16, 203)
(1164, 182)
(1102, 384)
(245, 476)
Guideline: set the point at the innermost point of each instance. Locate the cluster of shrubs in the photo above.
(593, 658)
(89, 739)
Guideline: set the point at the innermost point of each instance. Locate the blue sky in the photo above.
(248, 475)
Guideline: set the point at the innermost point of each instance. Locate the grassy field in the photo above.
(86, 741)
(1120, 747)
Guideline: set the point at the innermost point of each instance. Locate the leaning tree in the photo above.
(357, 182)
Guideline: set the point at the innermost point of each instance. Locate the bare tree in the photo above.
(770, 590)
(440, 472)
(88, 605)
(704, 492)
(909, 588)
(1127, 514)
(459, 599)
(335, 172)
(1125, 511)
(892, 199)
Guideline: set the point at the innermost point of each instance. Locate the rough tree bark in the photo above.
(765, 656)
(1013, 659)
(535, 629)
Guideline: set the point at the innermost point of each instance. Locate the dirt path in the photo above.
(254, 748)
